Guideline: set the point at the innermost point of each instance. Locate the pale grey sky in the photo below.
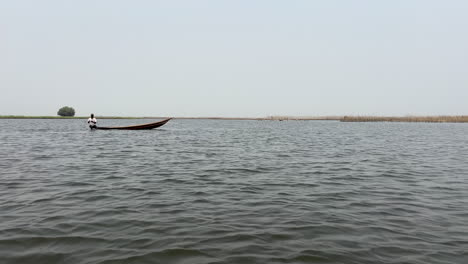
(234, 58)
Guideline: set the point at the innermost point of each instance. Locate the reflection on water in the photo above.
(204, 191)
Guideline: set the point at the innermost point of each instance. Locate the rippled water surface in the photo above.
(213, 191)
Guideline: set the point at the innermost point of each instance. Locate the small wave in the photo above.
(174, 255)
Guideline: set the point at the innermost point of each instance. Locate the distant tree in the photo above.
(66, 111)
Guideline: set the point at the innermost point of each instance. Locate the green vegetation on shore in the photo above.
(66, 111)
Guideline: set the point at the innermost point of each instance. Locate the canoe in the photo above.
(138, 127)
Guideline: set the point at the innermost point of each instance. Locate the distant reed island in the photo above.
(423, 119)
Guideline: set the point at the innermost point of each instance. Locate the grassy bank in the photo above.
(67, 117)
(428, 119)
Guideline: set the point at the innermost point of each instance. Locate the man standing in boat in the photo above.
(92, 122)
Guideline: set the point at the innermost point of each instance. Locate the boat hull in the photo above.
(137, 127)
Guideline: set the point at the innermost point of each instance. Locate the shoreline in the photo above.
(161, 117)
(411, 119)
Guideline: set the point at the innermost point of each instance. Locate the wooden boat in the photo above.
(138, 127)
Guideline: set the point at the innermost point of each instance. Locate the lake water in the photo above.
(214, 191)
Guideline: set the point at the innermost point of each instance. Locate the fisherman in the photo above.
(92, 122)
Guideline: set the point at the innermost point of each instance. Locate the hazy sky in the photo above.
(234, 58)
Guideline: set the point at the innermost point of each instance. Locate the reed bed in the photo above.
(427, 119)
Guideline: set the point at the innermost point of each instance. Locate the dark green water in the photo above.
(202, 191)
